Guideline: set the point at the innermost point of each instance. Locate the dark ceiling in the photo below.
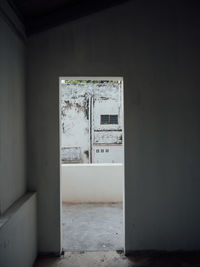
(38, 15)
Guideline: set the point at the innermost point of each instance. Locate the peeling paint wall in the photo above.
(82, 104)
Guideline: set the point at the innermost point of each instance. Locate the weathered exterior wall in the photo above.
(75, 120)
(108, 154)
(154, 45)
(82, 104)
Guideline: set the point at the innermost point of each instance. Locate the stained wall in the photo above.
(154, 45)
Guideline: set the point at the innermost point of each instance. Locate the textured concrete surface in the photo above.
(90, 227)
(18, 233)
(154, 45)
(12, 116)
(114, 259)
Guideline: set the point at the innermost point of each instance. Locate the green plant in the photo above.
(86, 152)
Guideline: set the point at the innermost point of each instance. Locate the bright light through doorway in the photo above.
(92, 157)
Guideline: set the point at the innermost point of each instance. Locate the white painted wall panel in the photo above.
(108, 154)
(92, 183)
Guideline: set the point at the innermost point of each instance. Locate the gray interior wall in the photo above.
(18, 233)
(18, 221)
(12, 113)
(154, 45)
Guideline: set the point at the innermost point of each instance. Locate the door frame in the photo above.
(100, 78)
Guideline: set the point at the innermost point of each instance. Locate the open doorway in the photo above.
(92, 163)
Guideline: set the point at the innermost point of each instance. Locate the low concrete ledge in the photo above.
(18, 233)
(91, 183)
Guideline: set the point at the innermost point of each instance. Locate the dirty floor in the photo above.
(115, 259)
(92, 227)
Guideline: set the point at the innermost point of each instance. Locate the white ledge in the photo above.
(91, 164)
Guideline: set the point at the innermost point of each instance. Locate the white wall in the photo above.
(92, 183)
(115, 153)
(107, 107)
(154, 45)
(74, 119)
(83, 104)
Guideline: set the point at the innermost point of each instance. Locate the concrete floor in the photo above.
(92, 227)
(114, 259)
(99, 227)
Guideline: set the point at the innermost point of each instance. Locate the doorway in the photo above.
(92, 163)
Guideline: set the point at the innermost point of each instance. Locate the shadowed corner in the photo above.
(118, 259)
(164, 258)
